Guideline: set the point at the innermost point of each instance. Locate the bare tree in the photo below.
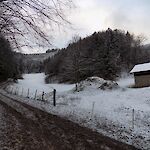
(74, 61)
(23, 21)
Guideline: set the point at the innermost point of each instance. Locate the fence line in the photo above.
(28, 94)
(44, 97)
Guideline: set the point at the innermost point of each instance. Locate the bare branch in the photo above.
(22, 19)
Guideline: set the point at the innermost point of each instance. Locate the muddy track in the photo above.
(38, 130)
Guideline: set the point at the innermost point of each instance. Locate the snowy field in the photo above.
(122, 113)
(35, 82)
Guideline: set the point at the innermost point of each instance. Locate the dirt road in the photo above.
(27, 128)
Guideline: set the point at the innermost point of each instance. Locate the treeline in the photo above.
(27, 64)
(8, 63)
(105, 54)
(33, 63)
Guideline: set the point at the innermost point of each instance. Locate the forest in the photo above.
(8, 64)
(105, 54)
(24, 20)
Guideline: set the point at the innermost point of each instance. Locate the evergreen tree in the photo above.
(8, 65)
(104, 54)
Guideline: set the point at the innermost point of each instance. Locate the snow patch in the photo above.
(108, 111)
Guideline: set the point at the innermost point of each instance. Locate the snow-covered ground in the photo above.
(123, 113)
(35, 82)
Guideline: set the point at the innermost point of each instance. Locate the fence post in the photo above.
(16, 91)
(133, 112)
(54, 97)
(133, 119)
(28, 94)
(43, 96)
(35, 94)
(92, 110)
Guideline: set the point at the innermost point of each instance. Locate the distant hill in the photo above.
(39, 56)
(33, 63)
(147, 46)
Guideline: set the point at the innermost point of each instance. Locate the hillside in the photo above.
(110, 112)
(33, 63)
(104, 54)
(39, 56)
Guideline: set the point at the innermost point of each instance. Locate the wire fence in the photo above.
(36, 95)
(134, 119)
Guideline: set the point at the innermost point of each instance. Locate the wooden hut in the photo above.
(141, 75)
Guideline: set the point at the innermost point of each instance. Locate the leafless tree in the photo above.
(74, 62)
(25, 22)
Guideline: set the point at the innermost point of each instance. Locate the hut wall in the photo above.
(142, 80)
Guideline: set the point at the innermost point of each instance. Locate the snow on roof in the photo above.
(141, 67)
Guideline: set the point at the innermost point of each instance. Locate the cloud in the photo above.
(95, 15)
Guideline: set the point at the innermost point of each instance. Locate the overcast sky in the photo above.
(96, 15)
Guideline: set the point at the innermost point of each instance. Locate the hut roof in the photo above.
(141, 68)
